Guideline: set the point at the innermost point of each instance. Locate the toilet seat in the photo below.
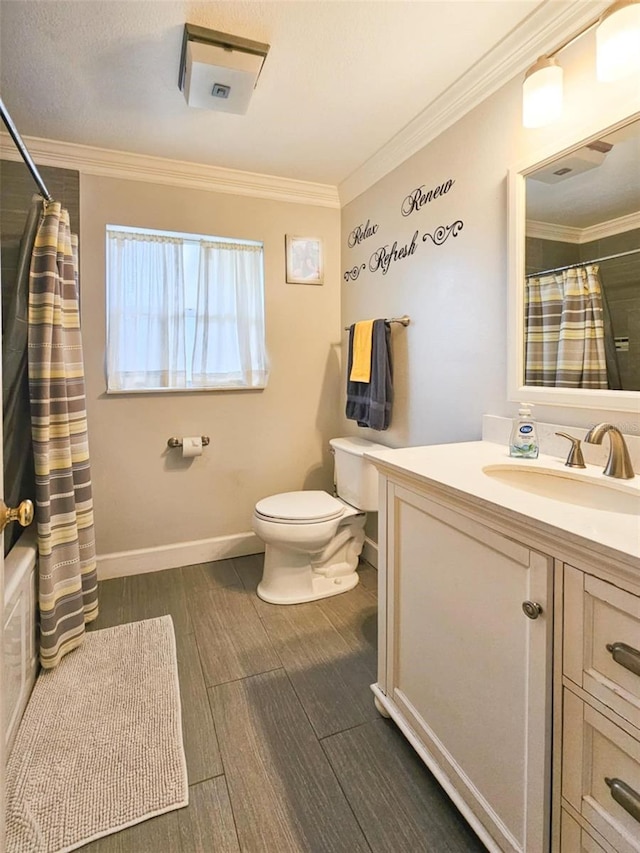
(305, 507)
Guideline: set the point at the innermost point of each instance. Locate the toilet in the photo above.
(312, 539)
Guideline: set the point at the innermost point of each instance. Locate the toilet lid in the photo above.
(300, 507)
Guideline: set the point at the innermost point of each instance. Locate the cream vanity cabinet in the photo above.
(462, 669)
(509, 656)
(600, 773)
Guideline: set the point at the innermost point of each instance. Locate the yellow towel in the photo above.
(361, 366)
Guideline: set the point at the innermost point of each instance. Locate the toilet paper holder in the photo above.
(177, 442)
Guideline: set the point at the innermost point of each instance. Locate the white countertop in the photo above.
(459, 467)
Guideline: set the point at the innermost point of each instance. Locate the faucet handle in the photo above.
(575, 459)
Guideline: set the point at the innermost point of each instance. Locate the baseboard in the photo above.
(370, 552)
(122, 563)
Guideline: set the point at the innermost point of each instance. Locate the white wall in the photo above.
(451, 362)
(261, 441)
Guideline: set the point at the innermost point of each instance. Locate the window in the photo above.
(184, 311)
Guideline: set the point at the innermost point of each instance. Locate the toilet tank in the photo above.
(355, 477)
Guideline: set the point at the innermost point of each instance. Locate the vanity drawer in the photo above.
(602, 642)
(575, 839)
(596, 749)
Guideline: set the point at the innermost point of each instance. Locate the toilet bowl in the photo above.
(313, 540)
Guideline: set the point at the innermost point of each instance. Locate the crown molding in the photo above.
(611, 228)
(550, 231)
(158, 170)
(545, 28)
(565, 234)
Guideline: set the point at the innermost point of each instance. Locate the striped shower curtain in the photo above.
(564, 336)
(67, 590)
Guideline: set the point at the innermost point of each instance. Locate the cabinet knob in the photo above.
(531, 609)
(23, 514)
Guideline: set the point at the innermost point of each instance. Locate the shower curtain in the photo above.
(19, 477)
(67, 589)
(564, 336)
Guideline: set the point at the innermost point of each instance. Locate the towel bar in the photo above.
(404, 321)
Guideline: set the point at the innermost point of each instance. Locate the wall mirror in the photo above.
(575, 274)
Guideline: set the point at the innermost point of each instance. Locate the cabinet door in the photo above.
(467, 668)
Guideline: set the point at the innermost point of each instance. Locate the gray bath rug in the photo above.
(100, 744)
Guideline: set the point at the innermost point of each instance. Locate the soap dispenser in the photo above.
(523, 442)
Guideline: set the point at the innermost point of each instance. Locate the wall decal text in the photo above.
(385, 256)
(419, 197)
(443, 231)
(353, 273)
(361, 232)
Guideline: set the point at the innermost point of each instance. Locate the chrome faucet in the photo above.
(619, 463)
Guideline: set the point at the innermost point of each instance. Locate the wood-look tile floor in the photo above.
(285, 750)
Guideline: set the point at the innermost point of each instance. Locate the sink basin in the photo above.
(581, 489)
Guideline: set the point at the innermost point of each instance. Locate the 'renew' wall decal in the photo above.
(354, 272)
(419, 197)
(385, 256)
(361, 232)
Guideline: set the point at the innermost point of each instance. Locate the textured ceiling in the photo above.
(340, 80)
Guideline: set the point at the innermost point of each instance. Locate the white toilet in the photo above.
(313, 540)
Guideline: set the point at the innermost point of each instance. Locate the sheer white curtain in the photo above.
(145, 312)
(229, 348)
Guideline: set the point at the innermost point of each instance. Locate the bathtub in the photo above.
(20, 651)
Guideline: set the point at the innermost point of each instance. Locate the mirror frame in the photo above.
(620, 401)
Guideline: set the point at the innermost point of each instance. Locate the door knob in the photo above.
(23, 514)
(532, 609)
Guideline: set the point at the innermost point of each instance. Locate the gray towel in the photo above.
(369, 403)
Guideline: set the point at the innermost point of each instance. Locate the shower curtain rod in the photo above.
(584, 263)
(22, 148)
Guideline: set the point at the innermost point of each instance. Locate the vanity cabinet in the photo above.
(601, 709)
(522, 720)
(462, 668)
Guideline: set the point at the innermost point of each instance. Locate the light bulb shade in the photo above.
(542, 93)
(618, 41)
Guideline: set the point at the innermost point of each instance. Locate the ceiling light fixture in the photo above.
(219, 71)
(617, 56)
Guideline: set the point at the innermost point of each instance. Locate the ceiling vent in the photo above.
(219, 71)
(582, 160)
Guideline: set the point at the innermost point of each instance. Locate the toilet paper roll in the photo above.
(191, 446)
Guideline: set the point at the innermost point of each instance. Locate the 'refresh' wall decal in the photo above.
(385, 256)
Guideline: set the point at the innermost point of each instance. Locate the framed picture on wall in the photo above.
(304, 260)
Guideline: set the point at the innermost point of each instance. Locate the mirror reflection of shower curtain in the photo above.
(19, 475)
(564, 335)
(611, 354)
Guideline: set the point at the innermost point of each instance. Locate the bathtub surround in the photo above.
(16, 203)
(124, 731)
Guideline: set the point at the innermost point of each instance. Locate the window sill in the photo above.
(212, 389)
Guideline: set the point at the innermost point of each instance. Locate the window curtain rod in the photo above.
(24, 153)
(584, 263)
